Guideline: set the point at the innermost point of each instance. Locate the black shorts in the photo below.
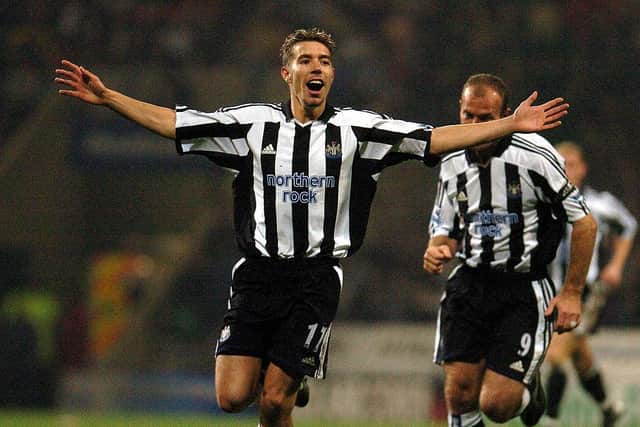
(281, 311)
(498, 317)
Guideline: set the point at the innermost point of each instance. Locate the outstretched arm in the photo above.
(88, 87)
(526, 118)
(567, 303)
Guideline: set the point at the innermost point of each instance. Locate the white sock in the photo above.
(526, 398)
(469, 419)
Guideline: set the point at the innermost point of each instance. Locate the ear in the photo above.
(286, 75)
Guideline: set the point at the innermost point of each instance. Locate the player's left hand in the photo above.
(567, 307)
(536, 118)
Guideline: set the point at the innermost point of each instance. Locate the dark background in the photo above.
(78, 182)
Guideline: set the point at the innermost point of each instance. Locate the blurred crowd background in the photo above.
(111, 254)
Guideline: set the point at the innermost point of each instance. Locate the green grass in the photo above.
(577, 412)
(48, 419)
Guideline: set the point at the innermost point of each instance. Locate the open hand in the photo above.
(83, 84)
(536, 118)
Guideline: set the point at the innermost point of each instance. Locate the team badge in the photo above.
(333, 150)
(514, 190)
(462, 197)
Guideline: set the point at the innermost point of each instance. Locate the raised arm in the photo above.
(88, 87)
(526, 118)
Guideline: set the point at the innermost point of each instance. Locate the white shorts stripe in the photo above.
(542, 291)
(437, 339)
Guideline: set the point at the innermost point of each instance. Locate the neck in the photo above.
(484, 151)
(303, 113)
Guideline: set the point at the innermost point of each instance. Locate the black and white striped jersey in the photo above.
(301, 190)
(612, 217)
(510, 213)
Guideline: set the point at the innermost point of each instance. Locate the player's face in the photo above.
(309, 74)
(480, 104)
(574, 165)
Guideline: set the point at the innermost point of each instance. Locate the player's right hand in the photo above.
(83, 84)
(435, 257)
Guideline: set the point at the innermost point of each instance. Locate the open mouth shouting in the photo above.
(315, 86)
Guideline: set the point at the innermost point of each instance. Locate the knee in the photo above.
(275, 403)
(496, 412)
(233, 402)
(498, 407)
(461, 396)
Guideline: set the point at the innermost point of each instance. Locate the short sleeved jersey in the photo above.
(510, 213)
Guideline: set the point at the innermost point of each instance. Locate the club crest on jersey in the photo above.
(462, 197)
(333, 150)
(514, 190)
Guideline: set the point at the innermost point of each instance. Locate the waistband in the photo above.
(294, 262)
(493, 272)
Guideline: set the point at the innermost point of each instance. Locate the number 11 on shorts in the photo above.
(312, 331)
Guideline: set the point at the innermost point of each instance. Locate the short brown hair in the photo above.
(494, 82)
(303, 35)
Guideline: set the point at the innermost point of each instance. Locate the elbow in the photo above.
(165, 125)
(170, 125)
(170, 133)
(436, 147)
(435, 144)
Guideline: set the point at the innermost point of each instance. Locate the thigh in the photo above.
(300, 345)
(461, 335)
(522, 333)
(561, 347)
(499, 388)
(242, 338)
(237, 376)
(279, 382)
(252, 311)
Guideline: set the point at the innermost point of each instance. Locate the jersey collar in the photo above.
(328, 112)
(500, 148)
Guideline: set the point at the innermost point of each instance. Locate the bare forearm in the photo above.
(456, 137)
(582, 242)
(160, 120)
(526, 118)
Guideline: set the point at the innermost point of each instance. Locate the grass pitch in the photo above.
(47, 419)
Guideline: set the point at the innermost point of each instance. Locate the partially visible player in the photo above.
(572, 351)
(502, 207)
